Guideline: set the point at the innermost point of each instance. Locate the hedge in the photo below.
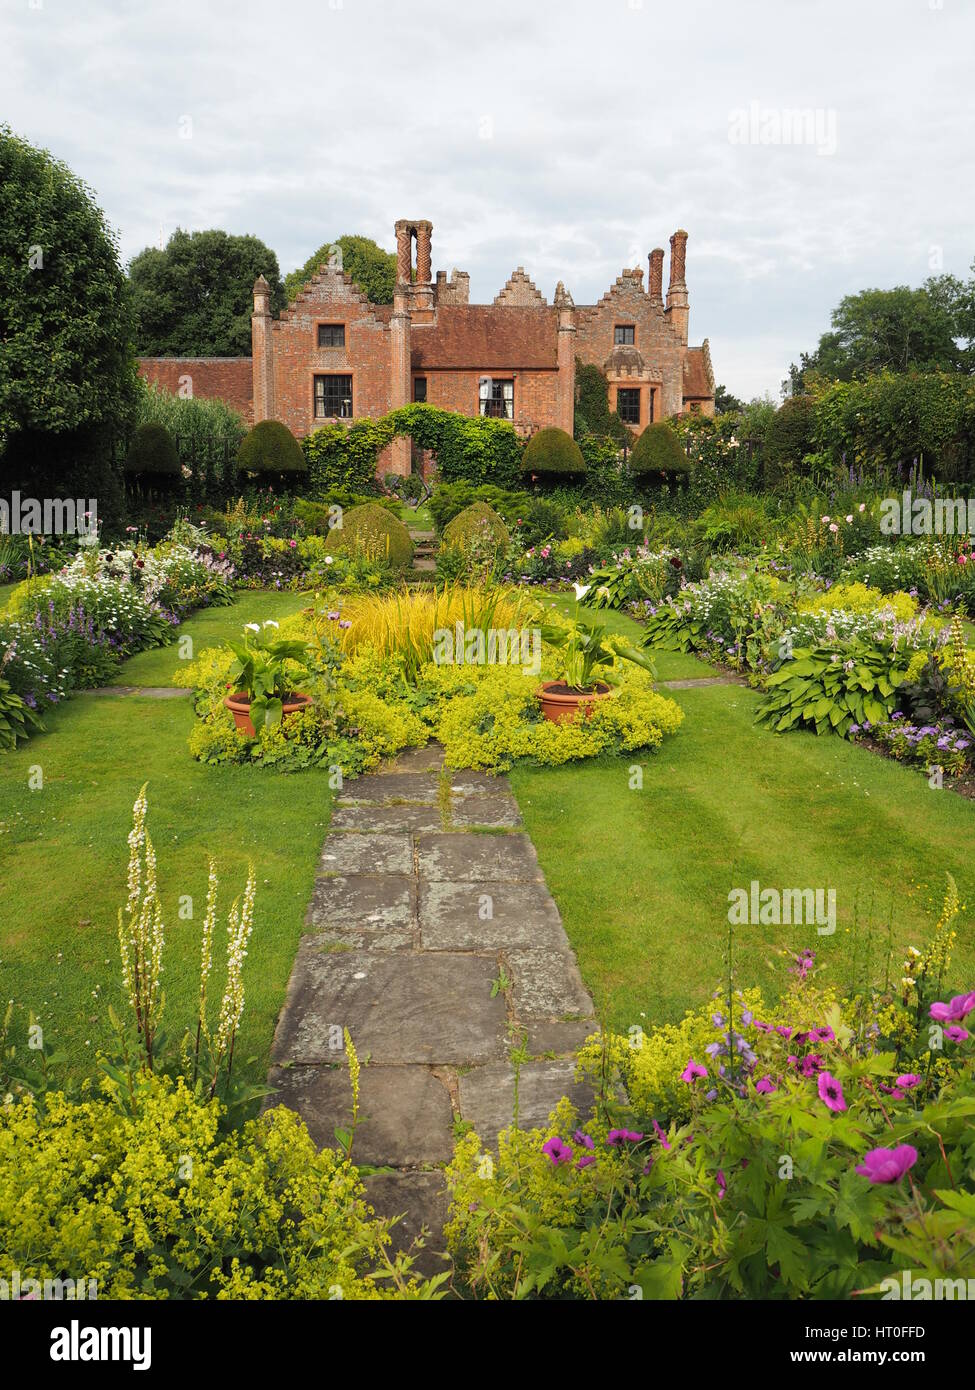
(270, 447)
(658, 450)
(550, 451)
(151, 450)
(372, 531)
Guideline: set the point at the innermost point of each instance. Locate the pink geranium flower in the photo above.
(955, 1010)
(766, 1086)
(557, 1151)
(692, 1071)
(956, 1033)
(831, 1091)
(887, 1165)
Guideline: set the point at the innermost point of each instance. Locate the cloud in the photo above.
(568, 136)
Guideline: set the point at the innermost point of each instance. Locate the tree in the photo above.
(67, 373)
(372, 268)
(195, 297)
(895, 330)
(725, 401)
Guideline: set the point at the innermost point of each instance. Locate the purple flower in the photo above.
(664, 1143)
(692, 1071)
(556, 1150)
(831, 1091)
(956, 1010)
(956, 1033)
(623, 1136)
(908, 1080)
(765, 1086)
(887, 1165)
(583, 1139)
(722, 1184)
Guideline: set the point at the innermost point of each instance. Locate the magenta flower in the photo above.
(908, 1080)
(692, 1071)
(766, 1086)
(556, 1150)
(956, 1010)
(664, 1142)
(821, 1035)
(811, 1064)
(623, 1136)
(830, 1091)
(956, 1033)
(887, 1165)
(584, 1139)
(722, 1184)
(585, 1160)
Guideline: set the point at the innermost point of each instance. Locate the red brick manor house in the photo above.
(332, 355)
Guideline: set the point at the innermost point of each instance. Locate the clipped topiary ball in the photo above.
(152, 450)
(553, 451)
(476, 521)
(658, 450)
(270, 447)
(374, 532)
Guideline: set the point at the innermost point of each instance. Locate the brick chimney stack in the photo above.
(677, 301)
(656, 282)
(262, 359)
(424, 231)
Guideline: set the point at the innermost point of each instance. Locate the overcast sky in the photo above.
(567, 136)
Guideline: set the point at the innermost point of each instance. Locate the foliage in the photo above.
(342, 456)
(17, 719)
(585, 656)
(151, 1196)
(366, 263)
(826, 690)
(194, 298)
(789, 438)
(475, 540)
(592, 413)
(208, 434)
(552, 451)
(449, 499)
(373, 532)
(151, 450)
(745, 1155)
(67, 374)
(265, 670)
(658, 450)
(270, 447)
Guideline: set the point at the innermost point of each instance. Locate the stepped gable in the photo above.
(520, 293)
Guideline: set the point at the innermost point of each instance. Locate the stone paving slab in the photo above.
(498, 810)
(405, 1115)
(466, 783)
(477, 858)
(452, 916)
(421, 1200)
(432, 1007)
(367, 854)
(427, 759)
(547, 984)
(371, 902)
(386, 818)
(387, 788)
(561, 1038)
(487, 1095)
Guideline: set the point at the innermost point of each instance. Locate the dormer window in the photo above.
(331, 335)
(624, 335)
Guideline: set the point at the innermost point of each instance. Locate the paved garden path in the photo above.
(433, 939)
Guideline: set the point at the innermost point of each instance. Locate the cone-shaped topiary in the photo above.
(553, 451)
(152, 450)
(372, 531)
(270, 447)
(476, 522)
(658, 450)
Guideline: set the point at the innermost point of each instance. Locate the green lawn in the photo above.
(208, 627)
(642, 876)
(63, 853)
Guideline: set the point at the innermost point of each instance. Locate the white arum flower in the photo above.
(269, 622)
(251, 627)
(581, 591)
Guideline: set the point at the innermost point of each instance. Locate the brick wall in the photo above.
(227, 379)
(535, 400)
(654, 339)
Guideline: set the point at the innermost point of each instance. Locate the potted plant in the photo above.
(261, 682)
(588, 666)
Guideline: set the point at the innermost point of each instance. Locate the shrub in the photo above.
(345, 457)
(372, 531)
(207, 434)
(658, 450)
(592, 413)
(449, 499)
(476, 522)
(152, 450)
(789, 438)
(270, 447)
(552, 452)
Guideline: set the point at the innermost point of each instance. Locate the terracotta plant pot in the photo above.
(560, 703)
(239, 706)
